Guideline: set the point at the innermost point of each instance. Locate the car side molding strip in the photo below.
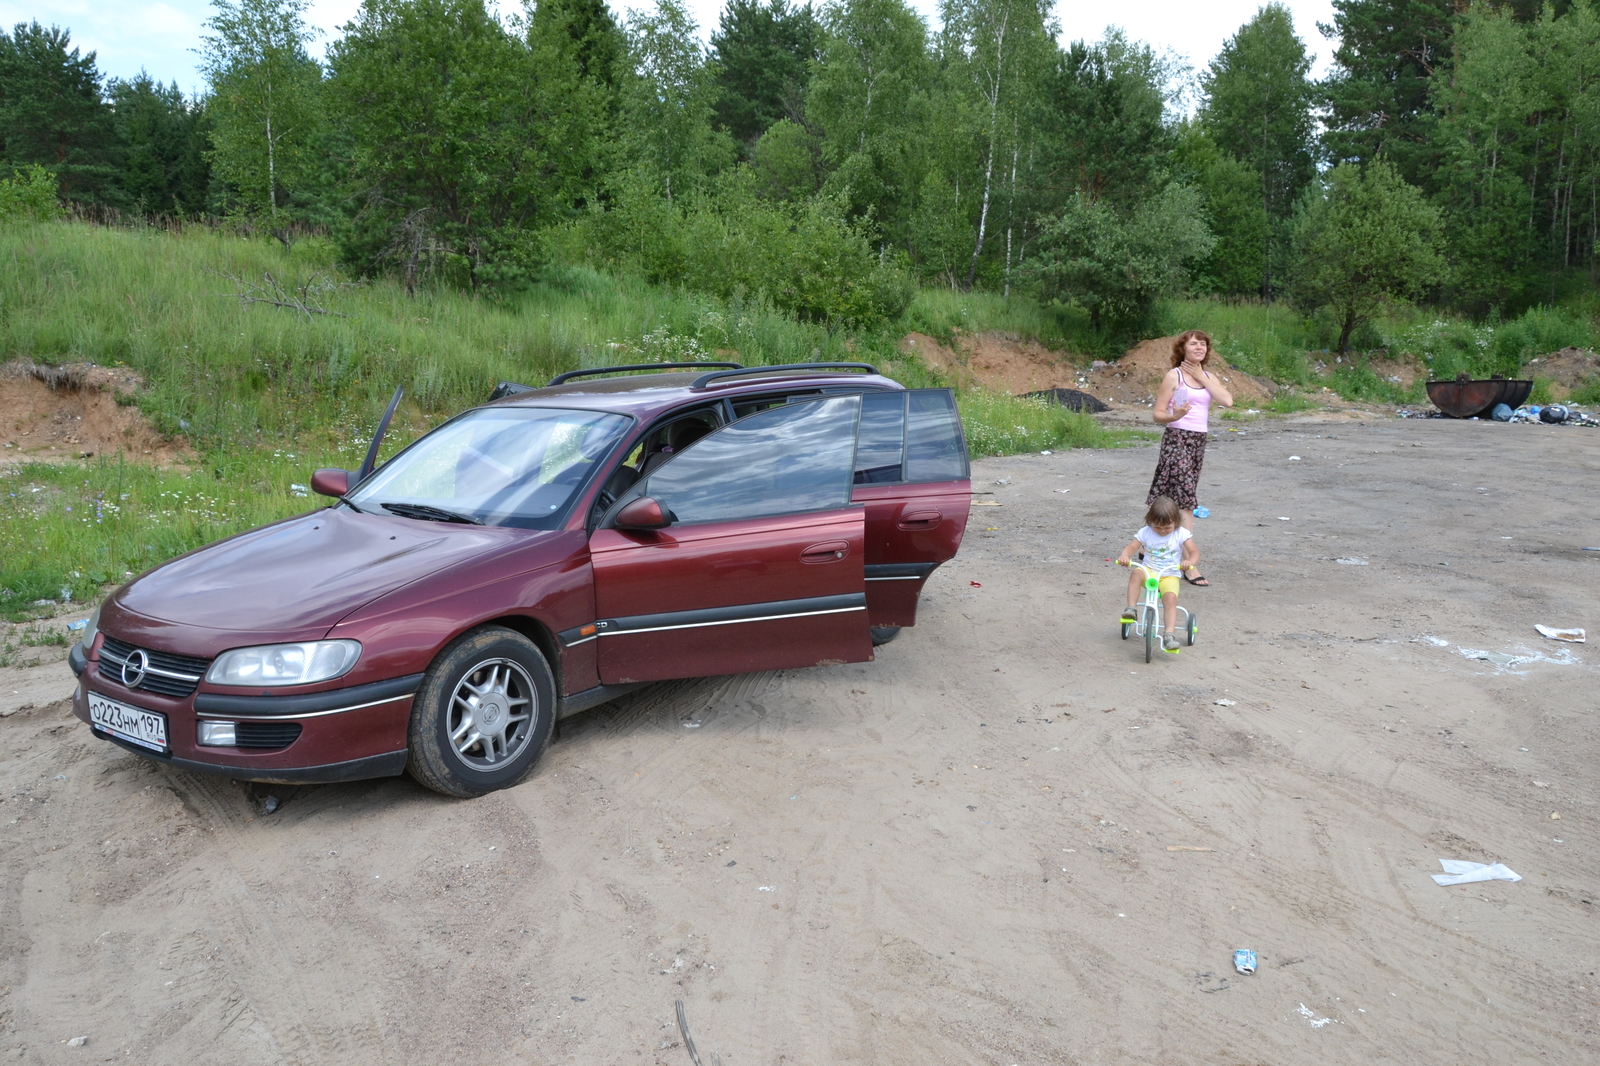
(723, 616)
(216, 704)
(594, 697)
(899, 571)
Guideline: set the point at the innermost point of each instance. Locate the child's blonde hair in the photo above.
(1163, 512)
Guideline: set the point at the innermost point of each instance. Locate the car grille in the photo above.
(266, 734)
(167, 674)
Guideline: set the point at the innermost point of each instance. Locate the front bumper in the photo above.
(391, 764)
(343, 734)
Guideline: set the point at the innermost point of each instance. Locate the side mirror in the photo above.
(643, 513)
(330, 482)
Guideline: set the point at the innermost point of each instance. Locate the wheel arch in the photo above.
(534, 630)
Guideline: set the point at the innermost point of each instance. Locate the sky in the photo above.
(160, 35)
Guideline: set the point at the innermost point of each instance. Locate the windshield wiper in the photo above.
(427, 513)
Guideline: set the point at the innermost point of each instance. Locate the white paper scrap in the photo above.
(1571, 636)
(1460, 872)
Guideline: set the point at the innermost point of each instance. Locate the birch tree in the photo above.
(1001, 46)
(265, 102)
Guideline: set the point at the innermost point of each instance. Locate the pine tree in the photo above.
(763, 55)
(1258, 109)
(52, 112)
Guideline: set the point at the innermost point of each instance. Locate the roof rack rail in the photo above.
(705, 380)
(569, 375)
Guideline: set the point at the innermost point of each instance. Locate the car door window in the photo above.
(784, 460)
(936, 450)
(880, 446)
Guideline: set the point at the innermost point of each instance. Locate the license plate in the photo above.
(147, 729)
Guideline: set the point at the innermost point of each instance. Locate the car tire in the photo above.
(491, 676)
(882, 635)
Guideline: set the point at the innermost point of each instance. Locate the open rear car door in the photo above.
(912, 473)
(760, 565)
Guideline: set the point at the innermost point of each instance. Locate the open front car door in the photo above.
(912, 473)
(742, 552)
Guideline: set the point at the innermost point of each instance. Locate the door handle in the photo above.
(831, 552)
(921, 519)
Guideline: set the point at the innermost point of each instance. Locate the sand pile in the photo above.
(1133, 378)
(71, 412)
(1567, 369)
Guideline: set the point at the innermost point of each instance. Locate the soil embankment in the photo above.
(1005, 363)
(48, 414)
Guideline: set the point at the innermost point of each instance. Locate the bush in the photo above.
(1538, 331)
(29, 196)
(998, 424)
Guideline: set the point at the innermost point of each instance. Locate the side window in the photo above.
(880, 445)
(936, 450)
(784, 460)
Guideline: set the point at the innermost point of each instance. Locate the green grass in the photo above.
(265, 394)
(940, 312)
(1268, 340)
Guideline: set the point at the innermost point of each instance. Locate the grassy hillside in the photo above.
(266, 394)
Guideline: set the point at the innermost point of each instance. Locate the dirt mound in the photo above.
(71, 412)
(1568, 368)
(1002, 362)
(1133, 378)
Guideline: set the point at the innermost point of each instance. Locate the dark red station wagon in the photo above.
(532, 558)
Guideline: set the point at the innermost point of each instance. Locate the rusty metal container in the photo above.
(1464, 398)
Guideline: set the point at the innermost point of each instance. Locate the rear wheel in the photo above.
(882, 635)
(483, 715)
(1194, 627)
(1152, 634)
(1125, 627)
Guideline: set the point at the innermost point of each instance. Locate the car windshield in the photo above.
(505, 466)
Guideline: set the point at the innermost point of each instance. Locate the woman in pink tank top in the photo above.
(1183, 405)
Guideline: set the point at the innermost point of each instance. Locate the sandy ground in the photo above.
(961, 853)
(55, 414)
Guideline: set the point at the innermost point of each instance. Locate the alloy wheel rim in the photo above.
(491, 714)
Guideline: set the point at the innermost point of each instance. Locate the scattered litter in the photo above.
(1284, 518)
(975, 585)
(270, 804)
(692, 725)
(79, 626)
(1501, 413)
(1541, 784)
(1002, 481)
(1592, 549)
(1244, 961)
(1186, 847)
(1571, 636)
(61, 777)
(1202, 512)
(1226, 703)
(77, 1041)
(1352, 561)
(1294, 458)
(1063, 490)
(1461, 872)
(1555, 816)
(986, 503)
(1311, 1016)
(764, 888)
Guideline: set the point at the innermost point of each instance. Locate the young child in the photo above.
(1168, 549)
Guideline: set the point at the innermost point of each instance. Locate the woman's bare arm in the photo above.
(1161, 414)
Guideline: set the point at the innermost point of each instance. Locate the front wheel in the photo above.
(1152, 634)
(483, 715)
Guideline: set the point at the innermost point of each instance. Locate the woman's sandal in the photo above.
(1198, 582)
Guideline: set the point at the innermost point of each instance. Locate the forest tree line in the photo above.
(831, 158)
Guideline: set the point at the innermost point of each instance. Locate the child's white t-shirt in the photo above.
(1162, 554)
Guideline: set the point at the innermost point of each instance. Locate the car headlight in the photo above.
(285, 664)
(86, 637)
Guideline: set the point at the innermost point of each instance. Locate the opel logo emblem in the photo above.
(135, 666)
